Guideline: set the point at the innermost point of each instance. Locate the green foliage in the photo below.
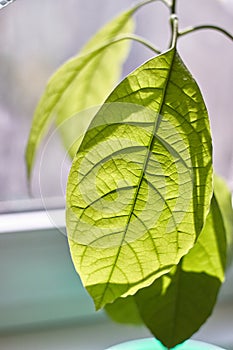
(73, 88)
(135, 157)
(185, 297)
(124, 310)
(146, 234)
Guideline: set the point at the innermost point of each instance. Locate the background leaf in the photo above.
(140, 186)
(177, 304)
(82, 82)
(124, 310)
(224, 198)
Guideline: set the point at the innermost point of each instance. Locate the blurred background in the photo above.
(38, 286)
(38, 36)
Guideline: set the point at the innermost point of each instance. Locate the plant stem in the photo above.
(174, 24)
(119, 38)
(207, 26)
(146, 2)
(139, 39)
(173, 7)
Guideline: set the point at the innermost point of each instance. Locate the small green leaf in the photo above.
(124, 310)
(223, 196)
(82, 82)
(177, 304)
(140, 186)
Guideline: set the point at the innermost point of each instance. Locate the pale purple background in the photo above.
(37, 36)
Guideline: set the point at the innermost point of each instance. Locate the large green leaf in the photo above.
(82, 82)
(140, 186)
(177, 304)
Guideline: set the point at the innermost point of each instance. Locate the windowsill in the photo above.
(30, 221)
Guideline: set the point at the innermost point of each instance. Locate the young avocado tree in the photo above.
(148, 231)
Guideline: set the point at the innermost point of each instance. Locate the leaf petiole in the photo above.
(146, 2)
(207, 26)
(174, 24)
(173, 7)
(138, 39)
(133, 37)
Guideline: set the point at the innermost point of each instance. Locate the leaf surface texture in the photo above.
(140, 185)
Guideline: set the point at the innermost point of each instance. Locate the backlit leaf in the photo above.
(82, 82)
(140, 185)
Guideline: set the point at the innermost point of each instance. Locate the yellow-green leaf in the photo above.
(82, 82)
(140, 185)
(224, 198)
